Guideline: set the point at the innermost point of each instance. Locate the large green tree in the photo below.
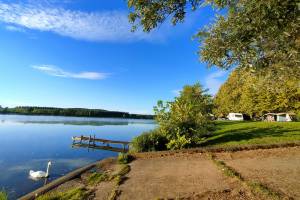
(251, 33)
(274, 89)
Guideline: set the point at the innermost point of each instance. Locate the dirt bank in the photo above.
(179, 177)
(277, 168)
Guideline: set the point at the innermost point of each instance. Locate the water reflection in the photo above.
(99, 147)
(78, 123)
(28, 142)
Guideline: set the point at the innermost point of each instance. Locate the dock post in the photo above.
(90, 140)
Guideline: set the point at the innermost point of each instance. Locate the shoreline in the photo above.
(149, 155)
(57, 182)
(92, 117)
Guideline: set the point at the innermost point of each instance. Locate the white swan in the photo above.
(40, 174)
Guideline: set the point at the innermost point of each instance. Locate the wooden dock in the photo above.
(93, 143)
(100, 147)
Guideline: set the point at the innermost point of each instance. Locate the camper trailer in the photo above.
(235, 116)
(278, 117)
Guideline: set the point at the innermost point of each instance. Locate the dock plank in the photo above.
(86, 138)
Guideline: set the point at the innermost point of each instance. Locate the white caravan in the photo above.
(235, 116)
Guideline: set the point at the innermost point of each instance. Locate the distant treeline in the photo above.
(76, 112)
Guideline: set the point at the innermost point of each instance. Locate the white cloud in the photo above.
(90, 26)
(56, 71)
(213, 82)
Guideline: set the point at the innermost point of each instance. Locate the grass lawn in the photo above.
(234, 133)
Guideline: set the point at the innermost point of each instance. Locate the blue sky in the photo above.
(79, 53)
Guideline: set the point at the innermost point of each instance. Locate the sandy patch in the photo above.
(181, 177)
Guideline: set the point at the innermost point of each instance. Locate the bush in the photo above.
(186, 121)
(124, 158)
(183, 123)
(180, 142)
(149, 141)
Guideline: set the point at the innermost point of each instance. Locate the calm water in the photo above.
(28, 142)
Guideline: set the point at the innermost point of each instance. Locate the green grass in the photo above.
(96, 178)
(264, 190)
(232, 133)
(119, 178)
(3, 195)
(228, 171)
(73, 194)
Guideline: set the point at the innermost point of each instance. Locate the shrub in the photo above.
(185, 121)
(124, 158)
(149, 141)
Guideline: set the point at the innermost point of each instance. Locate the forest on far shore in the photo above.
(76, 112)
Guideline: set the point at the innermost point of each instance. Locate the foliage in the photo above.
(185, 121)
(3, 195)
(233, 133)
(253, 33)
(150, 14)
(182, 123)
(274, 89)
(149, 141)
(73, 194)
(124, 158)
(180, 142)
(79, 112)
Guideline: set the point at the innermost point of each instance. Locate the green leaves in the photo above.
(257, 32)
(185, 120)
(272, 89)
(254, 33)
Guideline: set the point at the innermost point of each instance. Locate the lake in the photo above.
(29, 142)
